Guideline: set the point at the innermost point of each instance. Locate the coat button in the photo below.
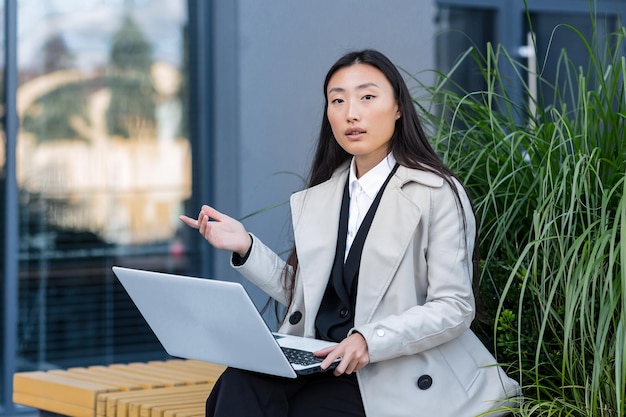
(295, 318)
(344, 313)
(380, 332)
(424, 382)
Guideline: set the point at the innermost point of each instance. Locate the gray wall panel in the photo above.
(283, 51)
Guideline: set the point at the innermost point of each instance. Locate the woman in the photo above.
(382, 264)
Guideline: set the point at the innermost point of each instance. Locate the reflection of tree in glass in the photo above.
(48, 119)
(103, 150)
(131, 110)
(56, 55)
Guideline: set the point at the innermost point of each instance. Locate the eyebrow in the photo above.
(358, 87)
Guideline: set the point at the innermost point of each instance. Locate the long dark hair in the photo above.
(409, 144)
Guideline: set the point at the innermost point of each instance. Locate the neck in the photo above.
(365, 163)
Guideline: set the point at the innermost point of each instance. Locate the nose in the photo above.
(353, 112)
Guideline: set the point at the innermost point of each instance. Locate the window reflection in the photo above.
(458, 30)
(104, 149)
(103, 169)
(553, 36)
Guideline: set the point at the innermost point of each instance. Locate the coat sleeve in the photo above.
(264, 268)
(444, 306)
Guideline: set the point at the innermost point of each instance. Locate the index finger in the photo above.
(330, 356)
(189, 221)
(324, 352)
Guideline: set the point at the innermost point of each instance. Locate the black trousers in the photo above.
(240, 393)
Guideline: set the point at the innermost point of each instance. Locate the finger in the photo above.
(204, 225)
(324, 352)
(346, 367)
(329, 359)
(340, 369)
(189, 221)
(353, 367)
(358, 363)
(213, 214)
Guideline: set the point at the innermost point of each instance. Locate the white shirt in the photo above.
(362, 194)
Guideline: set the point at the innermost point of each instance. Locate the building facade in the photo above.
(119, 115)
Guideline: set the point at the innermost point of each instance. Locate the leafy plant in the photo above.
(549, 189)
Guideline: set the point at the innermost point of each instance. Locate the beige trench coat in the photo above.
(414, 300)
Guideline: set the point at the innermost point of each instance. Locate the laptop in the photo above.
(216, 321)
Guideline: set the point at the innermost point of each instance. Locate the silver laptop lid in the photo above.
(203, 319)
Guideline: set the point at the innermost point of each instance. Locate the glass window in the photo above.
(552, 37)
(103, 169)
(458, 30)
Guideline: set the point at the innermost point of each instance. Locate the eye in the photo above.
(368, 97)
(337, 101)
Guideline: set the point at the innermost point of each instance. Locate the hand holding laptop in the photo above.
(353, 352)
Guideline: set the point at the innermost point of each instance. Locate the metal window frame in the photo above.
(10, 219)
(200, 128)
(509, 25)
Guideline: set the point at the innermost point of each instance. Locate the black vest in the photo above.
(335, 317)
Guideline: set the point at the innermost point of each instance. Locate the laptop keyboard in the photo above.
(301, 357)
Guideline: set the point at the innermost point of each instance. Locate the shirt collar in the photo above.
(373, 179)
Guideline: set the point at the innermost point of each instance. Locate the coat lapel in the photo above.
(315, 215)
(392, 230)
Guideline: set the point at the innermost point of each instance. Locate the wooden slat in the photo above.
(96, 377)
(119, 404)
(145, 381)
(47, 385)
(200, 376)
(190, 412)
(172, 388)
(146, 407)
(52, 405)
(162, 372)
(195, 367)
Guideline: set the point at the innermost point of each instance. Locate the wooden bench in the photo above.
(173, 388)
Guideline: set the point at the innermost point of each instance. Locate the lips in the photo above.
(355, 132)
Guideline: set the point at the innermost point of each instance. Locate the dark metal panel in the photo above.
(493, 4)
(9, 338)
(583, 6)
(572, 6)
(201, 108)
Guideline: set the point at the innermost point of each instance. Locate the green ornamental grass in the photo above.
(549, 189)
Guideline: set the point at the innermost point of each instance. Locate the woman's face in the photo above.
(362, 111)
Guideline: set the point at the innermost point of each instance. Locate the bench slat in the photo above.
(190, 412)
(145, 408)
(156, 372)
(47, 385)
(176, 387)
(145, 381)
(91, 376)
(52, 405)
(191, 367)
(118, 404)
(192, 407)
